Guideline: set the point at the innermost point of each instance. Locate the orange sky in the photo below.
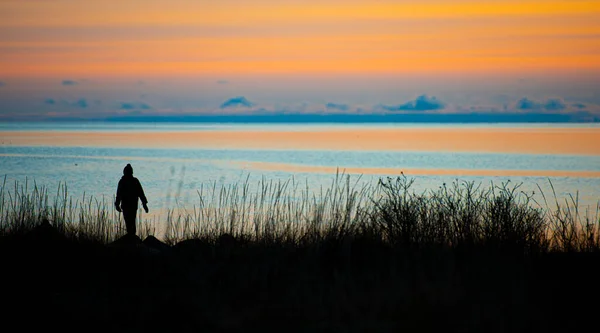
(63, 38)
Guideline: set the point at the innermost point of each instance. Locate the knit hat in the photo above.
(128, 170)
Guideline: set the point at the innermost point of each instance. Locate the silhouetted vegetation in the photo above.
(279, 257)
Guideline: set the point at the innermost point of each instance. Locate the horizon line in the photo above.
(311, 118)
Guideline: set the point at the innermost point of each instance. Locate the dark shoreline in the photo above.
(233, 285)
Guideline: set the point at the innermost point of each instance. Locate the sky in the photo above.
(137, 58)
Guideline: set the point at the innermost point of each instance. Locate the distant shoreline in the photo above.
(328, 118)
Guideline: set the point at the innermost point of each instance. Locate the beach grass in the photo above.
(457, 215)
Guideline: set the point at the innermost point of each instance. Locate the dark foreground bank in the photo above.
(352, 284)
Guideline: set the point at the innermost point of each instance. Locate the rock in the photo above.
(194, 248)
(127, 240)
(154, 243)
(132, 244)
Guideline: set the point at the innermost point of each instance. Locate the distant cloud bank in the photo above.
(527, 104)
(134, 106)
(80, 103)
(422, 103)
(69, 82)
(423, 108)
(337, 106)
(237, 102)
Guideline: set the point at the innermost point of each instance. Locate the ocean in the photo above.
(176, 163)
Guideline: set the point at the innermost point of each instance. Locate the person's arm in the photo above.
(119, 197)
(142, 196)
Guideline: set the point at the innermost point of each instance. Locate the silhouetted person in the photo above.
(128, 193)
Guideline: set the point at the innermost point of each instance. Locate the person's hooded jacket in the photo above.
(129, 190)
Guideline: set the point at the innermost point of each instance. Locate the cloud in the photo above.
(222, 82)
(80, 103)
(554, 105)
(127, 106)
(337, 106)
(134, 106)
(422, 103)
(579, 105)
(69, 82)
(239, 101)
(527, 104)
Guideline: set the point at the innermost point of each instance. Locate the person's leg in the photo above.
(129, 215)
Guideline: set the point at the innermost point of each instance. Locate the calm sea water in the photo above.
(169, 173)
